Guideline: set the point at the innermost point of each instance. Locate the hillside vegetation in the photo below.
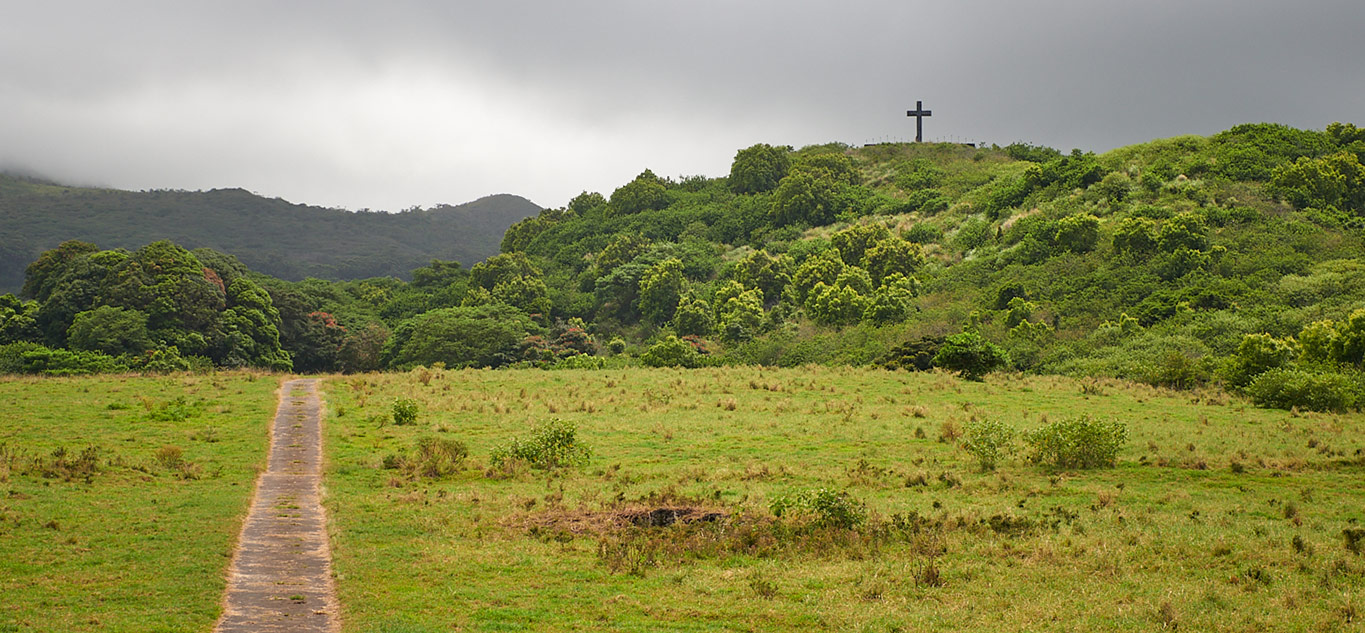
(275, 237)
(1232, 259)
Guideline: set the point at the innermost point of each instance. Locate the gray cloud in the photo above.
(388, 105)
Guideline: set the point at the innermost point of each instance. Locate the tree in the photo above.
(823, 267)
(362, 349)
(892, 256)
(484, 336)
(806, 196)
(854, 241)
(1185, 230)
(502, 267)
(110, 330)
(893, 301)
(1135, 236)
(41, 277)
(739, 311)
(527, 293)
(661, 288)
(765, 272)
(645, 193)
(694, 317)
(971, 355)
(18, 320)
(835, 305)
(1078, 233)
(1333, 181)
(759, 168)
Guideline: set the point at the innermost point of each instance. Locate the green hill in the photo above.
(1236, 260)
(289, 241)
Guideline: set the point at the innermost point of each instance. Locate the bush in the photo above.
(971, 355)
(404, 411)
(989, 441)
(673, 352)
(825, 508)
(553, 444)
(432, 457)
(1286, 388)
(1077, 443)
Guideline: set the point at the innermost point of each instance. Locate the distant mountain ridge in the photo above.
(273, 236)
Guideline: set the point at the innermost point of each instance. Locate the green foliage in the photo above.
(1333, 181)
(1078, 233)
(109, 330)
(892, 256)
(502, 268)
(739, 311)
(822, 507)
(854, 242)
(1287, 388)
(694, 317)
(673, 352)
(1135, 236)
(645, 193)
(404, 412)
(767, 273)
(971, 355)
(552, 444)
(806, 197)
(1256, 354)
(18, 320)
(989, 441)
(1079, 442)
(836, 305)
(823, 267)
(483, 336)
(759, 168)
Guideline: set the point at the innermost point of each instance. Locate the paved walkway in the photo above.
(281, 573)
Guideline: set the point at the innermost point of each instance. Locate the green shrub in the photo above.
(673, 352)
(404, 411)
(989, 441)
(1256, 354)
(1077, 443)
(971, 355)
(553, 444)
(825, 508)
(1286, 388)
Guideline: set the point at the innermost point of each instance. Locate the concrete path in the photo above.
(281, 576)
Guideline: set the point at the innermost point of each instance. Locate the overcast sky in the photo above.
(388, 105)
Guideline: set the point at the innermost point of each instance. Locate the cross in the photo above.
(919, 113)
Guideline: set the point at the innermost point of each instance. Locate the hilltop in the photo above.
(1233, 260)
(272, 236)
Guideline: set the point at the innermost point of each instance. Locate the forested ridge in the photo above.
(272, 236)
(1231, 260)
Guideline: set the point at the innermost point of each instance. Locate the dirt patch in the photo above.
(597, 522)
(280, 578)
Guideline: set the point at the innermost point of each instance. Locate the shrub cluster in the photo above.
(1081, 442)
(989, 441)
(553, 444)
(824, 508)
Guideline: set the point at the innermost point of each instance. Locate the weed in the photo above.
(431, 458)
(825, 508)
(177, 410)
(949, 431)
(989, 441)
(1080, 442)
(1167, 616)
(762, 587)
(404, 411)
(1354, 539)
(553, 444)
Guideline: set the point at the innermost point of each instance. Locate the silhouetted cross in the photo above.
(919, 113)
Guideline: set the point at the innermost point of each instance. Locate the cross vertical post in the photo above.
(919, 113)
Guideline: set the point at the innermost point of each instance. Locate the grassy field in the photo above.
(121, 497)
(1218, 516)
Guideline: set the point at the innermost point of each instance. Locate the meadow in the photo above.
(1217, 516)
(121, 497)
